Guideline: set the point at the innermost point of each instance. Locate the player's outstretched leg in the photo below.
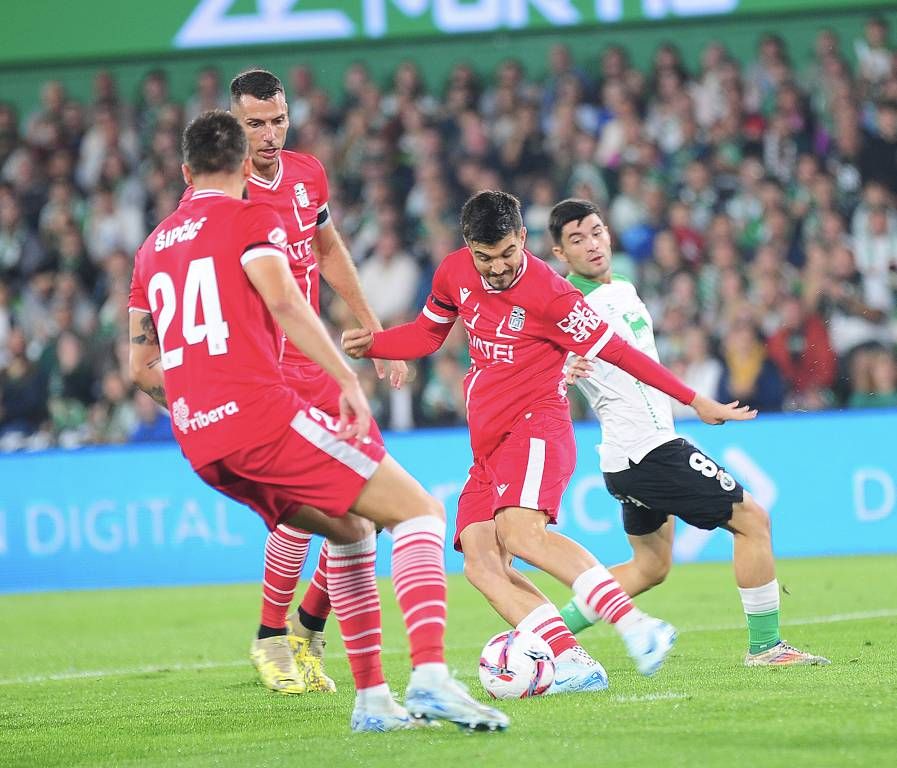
(519, 602)
(305, 629)
(417, 522)
(523, 533)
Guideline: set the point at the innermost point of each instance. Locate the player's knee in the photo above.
(751, 519)
(655, 569)
(351, 528)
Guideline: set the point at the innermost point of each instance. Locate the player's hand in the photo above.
(356, 342)
(398, 373)
(577, 368)
(354, 411)
(712, 412)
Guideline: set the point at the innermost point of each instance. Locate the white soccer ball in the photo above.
(515, 665)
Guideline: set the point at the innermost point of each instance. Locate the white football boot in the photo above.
(648, 642)
(575, 671)
(438, 696)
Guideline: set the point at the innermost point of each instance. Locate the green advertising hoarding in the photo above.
(54, 30)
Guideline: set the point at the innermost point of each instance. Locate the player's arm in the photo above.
(576, 328)
(267, 270)
(338, 269)
(419, 338)
(145, 356)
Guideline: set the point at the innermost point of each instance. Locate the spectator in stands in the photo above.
(854, 307)
(749, 375)
(699, 369)
(23, 390)
(723, 190)
(389, 277)
(803, 353)
(21, 253)
(153, 424)
(874, 379)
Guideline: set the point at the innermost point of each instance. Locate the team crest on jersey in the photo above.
(516, 319)
(301, 194)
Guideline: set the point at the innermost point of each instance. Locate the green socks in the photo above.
(763, 630)
(574, 618)
(761, 607)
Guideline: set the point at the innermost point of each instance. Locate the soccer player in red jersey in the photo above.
(210, 287)
(295, 185)
(522, 319)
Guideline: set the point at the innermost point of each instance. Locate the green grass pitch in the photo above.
(161, 677)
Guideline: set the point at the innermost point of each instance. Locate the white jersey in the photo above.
(635, 418)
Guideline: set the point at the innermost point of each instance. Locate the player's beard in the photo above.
(502, 281)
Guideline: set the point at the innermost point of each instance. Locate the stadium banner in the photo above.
(48, 30)
(138, 516)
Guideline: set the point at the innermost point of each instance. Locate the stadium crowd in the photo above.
(753, 203)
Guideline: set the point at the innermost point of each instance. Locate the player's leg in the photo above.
(285, 552)
(652, 556)
(306, 624)
(523, 532)
(519, 602)
(393, 499)
(759, 589)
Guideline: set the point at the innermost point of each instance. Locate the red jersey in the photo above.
(219, 343)
(518, 339)
(299, 193)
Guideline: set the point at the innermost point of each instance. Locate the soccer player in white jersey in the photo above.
(656, 474)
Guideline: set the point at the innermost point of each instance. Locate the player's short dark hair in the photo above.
(214, 143)
(258, 83)
(571, 209)
(490, 216)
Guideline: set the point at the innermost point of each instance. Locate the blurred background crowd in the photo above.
(752, 203)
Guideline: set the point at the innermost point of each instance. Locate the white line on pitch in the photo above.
(668, 696)
(882, 613)
(833, 618)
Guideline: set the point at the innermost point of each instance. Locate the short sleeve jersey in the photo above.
(299, 192)
(518, 340)
(219, 343)
(635, 418)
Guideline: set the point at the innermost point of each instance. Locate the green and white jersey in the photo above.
(635, 418)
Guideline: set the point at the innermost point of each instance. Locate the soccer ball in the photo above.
(515, 665)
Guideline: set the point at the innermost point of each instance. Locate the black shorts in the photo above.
(674, 479)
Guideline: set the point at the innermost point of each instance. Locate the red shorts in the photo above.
(304, 464)
(530, 468)
(314, 384)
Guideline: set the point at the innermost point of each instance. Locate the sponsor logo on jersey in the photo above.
(517, 318)
(301, 195)
(187, 231)
(502, 488)
(491, 350)
(580, 322)
(278, 236)
(180, 415)
(465, 294)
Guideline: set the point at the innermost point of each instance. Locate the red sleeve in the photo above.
(574, 326)
(137, 299)
(419, 338)
(259, 231)
(427, 332)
